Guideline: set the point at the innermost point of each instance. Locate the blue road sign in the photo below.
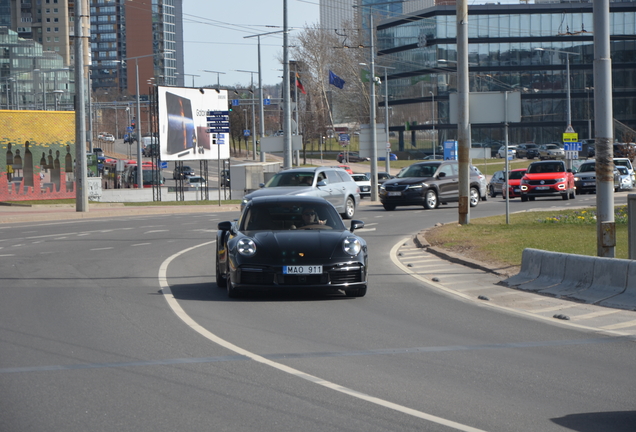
(218, 130)
(129, 129)
(235, 102)
(267, 101)
(164, 165)
(218, 113)
(246, 132)
(573, 146)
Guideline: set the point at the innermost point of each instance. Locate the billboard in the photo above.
(37, 155)
(183, 125)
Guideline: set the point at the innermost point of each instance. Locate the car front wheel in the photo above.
(430, 200)
(231, 291)
(389, 207)
(492, 192)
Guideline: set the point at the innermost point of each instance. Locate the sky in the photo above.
(214, 38)
(215, 30)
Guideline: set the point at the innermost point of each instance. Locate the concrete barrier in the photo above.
(530, 267)
(627, 297)
(578, 274)
(551, 272)
(610, 279)
(607, 282)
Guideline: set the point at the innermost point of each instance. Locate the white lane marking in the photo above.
(104, 248)
(7, 255)
(155, 231)
(17, 245)
(141, 244)
(60, 238)
(176, 308)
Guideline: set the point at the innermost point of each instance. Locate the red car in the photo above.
(547, 178)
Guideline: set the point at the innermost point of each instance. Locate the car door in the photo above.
(448, 182)
(337, 190)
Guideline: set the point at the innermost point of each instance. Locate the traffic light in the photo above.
(132, 123)
(229, 106)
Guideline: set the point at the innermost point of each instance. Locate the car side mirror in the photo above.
(356, 224)
(321, 183)
(569, 170)
(261, 185)
(225, 226)
(442, 174)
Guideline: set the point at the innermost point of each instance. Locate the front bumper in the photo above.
(345, 275)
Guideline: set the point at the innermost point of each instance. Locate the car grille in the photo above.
(316, 279)
(395, 187)
(541, 182)
(257, 276)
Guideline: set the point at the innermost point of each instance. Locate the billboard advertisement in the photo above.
(37, 155)
(183, 126)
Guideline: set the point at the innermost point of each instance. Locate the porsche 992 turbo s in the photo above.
(297, 244)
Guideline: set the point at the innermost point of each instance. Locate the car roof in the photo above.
(293, 199)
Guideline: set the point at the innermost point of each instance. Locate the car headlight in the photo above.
(246, 247)
(415, 186)
(351, 246)
(560, 180)
(577, 179)
(382, 187)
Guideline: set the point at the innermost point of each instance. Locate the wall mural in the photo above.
(37, 155)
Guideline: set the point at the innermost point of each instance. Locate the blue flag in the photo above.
(336, 80)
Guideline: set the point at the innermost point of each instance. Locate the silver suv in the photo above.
(333, 184)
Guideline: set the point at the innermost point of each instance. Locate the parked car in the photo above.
(528, 151)
(297, 242)
(498, 181)
(182, 172)
(427, 184)
(333, 184)
(195, 181)
(150, 150)
(363, 183)
(546, 179)
(585, 178)
(626, 179)
(551, 151)
(512, 151)
(349, 157)
(382, 176)
(434, 157)
(98, 151)
(392, 157)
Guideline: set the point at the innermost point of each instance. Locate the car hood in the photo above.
(314, 245)
(545, 176)
(283, 190)
(407, 180)
(587, 175)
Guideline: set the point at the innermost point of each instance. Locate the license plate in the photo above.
(516, 190)
(302, 269)
(542, 187)
(395, 193)
(589, 184)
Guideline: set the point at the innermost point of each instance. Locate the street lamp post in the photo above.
(434, 138)
(387, 163)
(185, 74)
(140, 183)
(218, 79)
(253, 116)
(260, 89)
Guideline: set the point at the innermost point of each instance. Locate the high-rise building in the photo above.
(125, 35)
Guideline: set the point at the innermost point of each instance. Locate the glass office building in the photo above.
(504, 56)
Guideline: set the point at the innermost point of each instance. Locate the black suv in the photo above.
(528, 151)
(427, 184)
(183, 172)
(351, 157)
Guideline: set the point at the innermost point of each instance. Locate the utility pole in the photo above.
(81, 191)
(463, 126)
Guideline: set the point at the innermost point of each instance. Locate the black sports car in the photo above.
(296, 242)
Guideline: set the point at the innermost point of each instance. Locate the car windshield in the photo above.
(588, 167)
(279, 216)
(419, 171)
(621, 163)
(359, 177)
(291, 179)
(545, 168)
(552, 147)
(516, 175)
(622, 169)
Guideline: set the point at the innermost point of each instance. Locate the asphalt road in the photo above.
(116, 324)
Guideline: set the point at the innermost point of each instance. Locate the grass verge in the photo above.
(491, 240)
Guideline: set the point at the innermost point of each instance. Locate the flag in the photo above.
(300, 85)
(336, 80)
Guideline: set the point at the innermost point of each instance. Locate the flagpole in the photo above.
(287, 150)
(374, 137)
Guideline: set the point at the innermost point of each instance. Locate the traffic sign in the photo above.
(164, 165)
(218, 113)
(574, 146)
(570, 137)
(218, 130)
(235, 102)
(246, 132)
(267, 101)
